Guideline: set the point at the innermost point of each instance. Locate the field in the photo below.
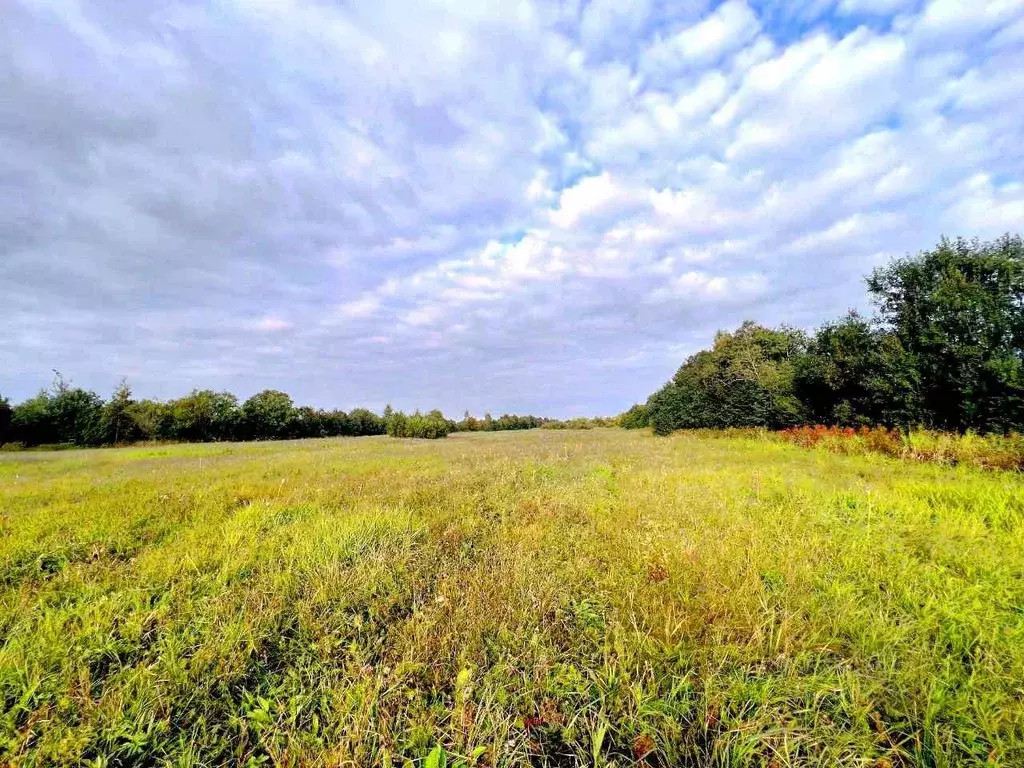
(549, 598)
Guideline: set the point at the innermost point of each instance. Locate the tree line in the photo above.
(68, 415)
(944, 350)
(434, 425)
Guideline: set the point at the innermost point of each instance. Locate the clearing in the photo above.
(562, 598)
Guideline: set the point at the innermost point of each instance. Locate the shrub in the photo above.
(636, 417)
(580, 422)
(433, 426)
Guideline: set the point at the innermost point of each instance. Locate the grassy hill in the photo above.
(559, 598)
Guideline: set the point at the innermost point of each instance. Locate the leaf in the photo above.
(436, 758)
(598, 742)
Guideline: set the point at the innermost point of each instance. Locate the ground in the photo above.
(563, 598)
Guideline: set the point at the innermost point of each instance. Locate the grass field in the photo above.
(547, 598)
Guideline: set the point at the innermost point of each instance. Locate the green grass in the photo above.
(558, 598)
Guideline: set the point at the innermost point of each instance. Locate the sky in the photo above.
(523, 206)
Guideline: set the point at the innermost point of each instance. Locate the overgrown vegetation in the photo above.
(945, 352)
(993, 451)
(579, 422)
(431, 426)
(988, 451)
(531, 598)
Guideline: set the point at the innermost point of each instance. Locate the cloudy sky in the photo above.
(510, 206)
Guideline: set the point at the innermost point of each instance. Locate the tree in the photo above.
(365, 422)
(334, 423)
(469, 423)
(268, 415)
(32, 422)
(116, 423)
(74, 414)
(66, 414)
(431, 427)
(151, 420)
(6, 416)
(637, 417)
(203, 416)
(958, 311)
(856, 374)
(744, 380)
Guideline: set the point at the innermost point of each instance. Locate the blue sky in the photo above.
(523, 206)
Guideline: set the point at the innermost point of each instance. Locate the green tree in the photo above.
(6, 417)
(32, 422)
(365, 422)
(958, 310)
(203, 416)
(469, 423)
(268, 415)
(744, 380)
(117, 424)
(74, 414)
(637, 417)
(151, 420)
(431, 427)
(856, 374)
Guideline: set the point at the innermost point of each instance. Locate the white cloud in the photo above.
(816, 91)
(589, 196)
(364, 306)
(958, 19)
(987, 208)
(879, 7)
(696, 286)
(603, 19)
(271, 324)
(490, 194)
(729, 27)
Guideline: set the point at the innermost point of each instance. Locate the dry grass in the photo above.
(1004, 452)
(546, 598)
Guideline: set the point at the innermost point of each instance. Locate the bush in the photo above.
(580, 422)
(433, 426)
(636, 417)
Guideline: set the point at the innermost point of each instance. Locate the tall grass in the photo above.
(531, 598)
(988, 451)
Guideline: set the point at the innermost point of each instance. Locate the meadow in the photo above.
(601, 597)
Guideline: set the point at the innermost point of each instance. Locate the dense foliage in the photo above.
(636, 417)
(579, 422)
(945, 351)
(432, 426)
(504, 422)
(67, 415)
